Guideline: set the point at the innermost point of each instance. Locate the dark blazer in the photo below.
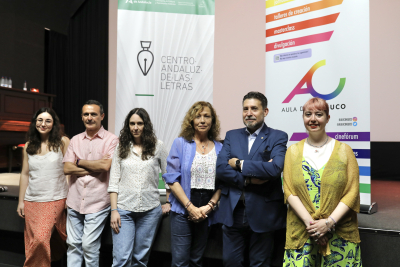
(265, 208)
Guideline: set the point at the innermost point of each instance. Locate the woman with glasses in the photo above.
(321, 185)
(43, 189)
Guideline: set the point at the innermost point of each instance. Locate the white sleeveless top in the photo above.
(203, 170)
(47, 181)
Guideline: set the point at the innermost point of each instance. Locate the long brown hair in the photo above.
(55, 136)
(149, 139)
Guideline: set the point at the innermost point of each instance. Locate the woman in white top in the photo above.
(43, 189)
(191, 166)
(134, 195)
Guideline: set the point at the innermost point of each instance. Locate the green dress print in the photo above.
(343, 252)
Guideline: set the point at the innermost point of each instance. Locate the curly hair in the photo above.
(149, 139)
(187, 129)
(55, 137)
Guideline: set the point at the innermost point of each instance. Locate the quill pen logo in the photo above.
(307, 79)
(145, 58)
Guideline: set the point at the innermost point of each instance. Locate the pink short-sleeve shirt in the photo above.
(88, 194)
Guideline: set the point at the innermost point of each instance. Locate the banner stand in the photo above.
(369, 209)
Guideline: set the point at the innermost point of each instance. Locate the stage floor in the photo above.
(387, 195)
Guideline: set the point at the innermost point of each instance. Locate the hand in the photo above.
(317, 228)
(232, 163)
(322, 241)
(21, 209)
(115, 221)
(106, 156)
(206, 209)
(166, 208)
(196, 214)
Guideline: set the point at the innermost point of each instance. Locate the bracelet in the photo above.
(77, 162)
(168, 203)
(334, 223)
(211, 205)
(332, 219)
(188, 204)
(114, 209)
(327, 225)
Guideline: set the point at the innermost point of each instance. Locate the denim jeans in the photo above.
(239, 236)
(189, 239)
(83, 237)
(131, 246)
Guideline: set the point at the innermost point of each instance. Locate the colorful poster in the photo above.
(165, 59)
(321, 49)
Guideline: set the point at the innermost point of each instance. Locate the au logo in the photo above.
(145, 57)
(307, 79)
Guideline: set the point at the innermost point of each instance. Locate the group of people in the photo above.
(237, 183)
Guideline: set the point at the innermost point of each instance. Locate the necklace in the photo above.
(203, 147)
(308, 142)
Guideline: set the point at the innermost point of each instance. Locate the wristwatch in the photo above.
(237, 163)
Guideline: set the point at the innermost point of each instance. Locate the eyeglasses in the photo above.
(46, 122)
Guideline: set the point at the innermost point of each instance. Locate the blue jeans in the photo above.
(189, 239)
(131, 246)
(83, 237)
(239, 236)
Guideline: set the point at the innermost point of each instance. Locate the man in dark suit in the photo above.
(249, 166)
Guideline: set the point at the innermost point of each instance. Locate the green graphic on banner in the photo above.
(161, 184)
(365, 188)
(193, 7)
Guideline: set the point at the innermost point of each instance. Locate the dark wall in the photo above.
(385, 160)
(22, 39)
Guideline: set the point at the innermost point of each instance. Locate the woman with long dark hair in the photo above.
(134, 195)
(43, 189)
(191, 177)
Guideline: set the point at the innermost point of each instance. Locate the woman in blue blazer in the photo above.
(191, 169)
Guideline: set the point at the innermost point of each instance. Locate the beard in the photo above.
(254, 125)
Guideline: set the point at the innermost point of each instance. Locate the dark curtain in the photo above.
(55, 69)
(87, 63)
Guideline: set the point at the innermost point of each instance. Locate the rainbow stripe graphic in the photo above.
(298, 90)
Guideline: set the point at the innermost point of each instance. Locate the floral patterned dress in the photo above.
(343, 252)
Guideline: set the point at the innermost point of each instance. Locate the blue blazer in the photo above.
(179, 164)
(265, 208)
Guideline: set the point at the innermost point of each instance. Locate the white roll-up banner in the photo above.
(321, 49)
(165, 58)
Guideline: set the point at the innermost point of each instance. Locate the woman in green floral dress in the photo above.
(321, 187)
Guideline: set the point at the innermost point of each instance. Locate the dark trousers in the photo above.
(240, 238)
(189, 239)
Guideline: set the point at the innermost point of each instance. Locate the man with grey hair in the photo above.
(88, 161)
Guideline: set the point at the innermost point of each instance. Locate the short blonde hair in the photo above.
(187, 129)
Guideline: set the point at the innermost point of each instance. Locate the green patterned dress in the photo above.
(343, 253)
